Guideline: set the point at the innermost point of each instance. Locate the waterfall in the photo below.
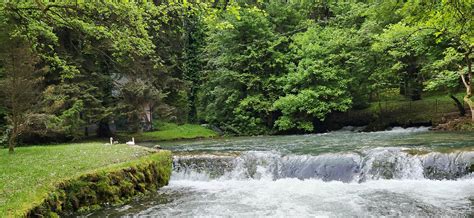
(345, 173)
(372, 164)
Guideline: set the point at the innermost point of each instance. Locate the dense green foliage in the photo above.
(247, 67)
(29, 176)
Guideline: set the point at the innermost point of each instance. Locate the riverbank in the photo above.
(30, 175)
(461, 124)
(395, 110)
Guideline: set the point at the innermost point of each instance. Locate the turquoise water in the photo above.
(338, 141)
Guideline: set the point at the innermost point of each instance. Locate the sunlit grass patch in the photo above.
(31, 173)
(171, 131)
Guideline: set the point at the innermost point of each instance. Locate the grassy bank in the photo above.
(398, 111)
(28, 176)
(171, 131)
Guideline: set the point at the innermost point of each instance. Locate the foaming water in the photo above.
(285, 197)
(407, 130)
(304, 198)
(373, 164)
(392, 130)
(399, 172)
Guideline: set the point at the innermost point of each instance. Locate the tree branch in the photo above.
(464, 80)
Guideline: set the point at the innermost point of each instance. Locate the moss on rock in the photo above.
(112, 185)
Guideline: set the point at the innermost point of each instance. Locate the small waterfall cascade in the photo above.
(372, 164)
(345, 173)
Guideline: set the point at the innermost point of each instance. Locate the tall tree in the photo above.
(406, 52)
(243, 59)
(20, 86)
(317, 83)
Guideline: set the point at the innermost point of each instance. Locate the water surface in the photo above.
(399, 172)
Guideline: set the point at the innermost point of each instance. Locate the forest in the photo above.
(247, 67)
(236, 108)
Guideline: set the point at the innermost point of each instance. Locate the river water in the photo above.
(399, 172)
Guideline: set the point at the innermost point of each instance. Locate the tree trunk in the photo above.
(469, 102)
(11, 143)
(460, 107)
(468, 82)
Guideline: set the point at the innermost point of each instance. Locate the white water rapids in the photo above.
(421, 174)
(304, 198)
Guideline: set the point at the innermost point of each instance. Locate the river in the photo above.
(398, 172)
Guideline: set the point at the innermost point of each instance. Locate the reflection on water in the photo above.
(391, 173)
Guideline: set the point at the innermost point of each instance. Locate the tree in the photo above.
(20, 86)
(138, 101)
(450, 22)
(243, 57)
(317, 83)
(406, 52)
(90, 47)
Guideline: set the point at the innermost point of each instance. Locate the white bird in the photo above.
(111, 141)
(131, 142)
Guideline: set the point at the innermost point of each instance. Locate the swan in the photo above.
(131, 142)
(111, 141)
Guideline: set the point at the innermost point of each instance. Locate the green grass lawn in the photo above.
(171, 131)
(30, 174)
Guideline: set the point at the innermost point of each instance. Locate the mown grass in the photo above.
(27, 176)
(171, 131)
